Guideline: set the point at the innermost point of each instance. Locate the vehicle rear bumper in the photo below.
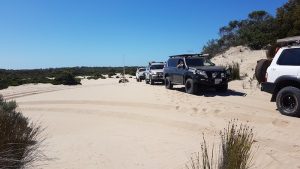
(268, 87)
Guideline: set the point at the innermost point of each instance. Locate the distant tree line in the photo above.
(57, 76)
(259, 30)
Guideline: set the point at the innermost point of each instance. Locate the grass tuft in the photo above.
(19, 139)
(235, 71)
(234, 152)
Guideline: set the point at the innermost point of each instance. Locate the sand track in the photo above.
(132, 126)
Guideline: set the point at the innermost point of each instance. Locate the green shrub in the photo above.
(3, 84)
(19, 139)
(96, 76)
(66, 78)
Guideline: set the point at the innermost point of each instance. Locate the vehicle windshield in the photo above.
(142, 70)
(194, 62)
(157, 67)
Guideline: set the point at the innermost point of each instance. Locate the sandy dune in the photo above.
(103, 124)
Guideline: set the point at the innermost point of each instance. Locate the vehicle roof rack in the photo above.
(189, 55)
(295, 40)
(156, 62)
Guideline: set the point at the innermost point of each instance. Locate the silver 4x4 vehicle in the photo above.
(283, 78)
(140, 74)
(154, 73)
(196, 72)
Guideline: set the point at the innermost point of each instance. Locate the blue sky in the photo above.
(60, 33)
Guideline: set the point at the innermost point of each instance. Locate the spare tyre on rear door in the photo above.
(261, 69)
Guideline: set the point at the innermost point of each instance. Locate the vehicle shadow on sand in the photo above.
(213, 93)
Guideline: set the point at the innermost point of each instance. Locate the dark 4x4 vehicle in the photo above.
(195, 72)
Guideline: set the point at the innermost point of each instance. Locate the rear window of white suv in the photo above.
(290, 57)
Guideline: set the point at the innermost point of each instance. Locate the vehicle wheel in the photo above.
(191, 87)
(168, 83)
(261, 69)
(138, 80)
(151, 81)
(146, 81)
(222, 88)
(288, 100)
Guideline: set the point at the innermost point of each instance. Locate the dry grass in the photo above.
(236, 143)
(235, 71)
(234, 152)
(19, 139)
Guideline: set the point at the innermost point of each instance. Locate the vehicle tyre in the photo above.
(151, 81)
(288, 101)
(191, 87)
(138, 80)
(168, 83)
(222, 88)
(146, 81)
(261, 69)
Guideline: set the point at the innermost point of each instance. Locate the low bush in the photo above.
(19, 139)
(66, 78)
(3, 84)
(96, 76)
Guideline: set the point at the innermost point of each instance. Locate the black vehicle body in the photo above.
(196, 67)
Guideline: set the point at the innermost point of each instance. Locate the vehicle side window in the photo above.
(290, 57)
(180, 63)
(172, 62)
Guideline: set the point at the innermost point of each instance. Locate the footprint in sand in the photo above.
(296, 148)
(280, 123)
(195, 109)
(217, 111)
(204, 110)
(177, 107)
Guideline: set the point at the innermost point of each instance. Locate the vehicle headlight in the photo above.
(152, 73)
(223, 75)
(201, 72)
(214, 75)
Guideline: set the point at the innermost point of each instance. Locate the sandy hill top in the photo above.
(245, 57)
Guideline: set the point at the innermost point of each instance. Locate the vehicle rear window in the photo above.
(290, 57)
(172, 62)
(142, 70)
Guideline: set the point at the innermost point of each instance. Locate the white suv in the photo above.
(154, 73)
(140, 74)
(283, 80)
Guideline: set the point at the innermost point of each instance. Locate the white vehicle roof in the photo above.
(289, 39)
(290, 47)
(156, 63)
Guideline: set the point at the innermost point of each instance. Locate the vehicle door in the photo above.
(180, 70)
(288, 63)
(171, 68)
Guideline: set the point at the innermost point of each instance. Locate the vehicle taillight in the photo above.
(266, 77)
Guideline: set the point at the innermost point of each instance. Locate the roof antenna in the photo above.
(124, 68)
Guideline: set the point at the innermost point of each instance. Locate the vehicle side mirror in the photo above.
(180, 66)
